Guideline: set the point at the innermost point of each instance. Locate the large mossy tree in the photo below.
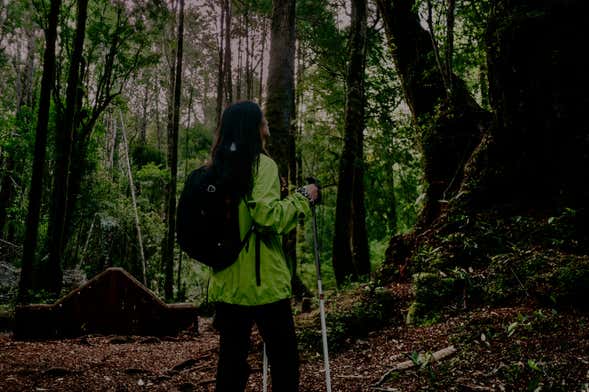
(526, 162)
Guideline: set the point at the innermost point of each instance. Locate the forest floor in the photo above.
(511, 348)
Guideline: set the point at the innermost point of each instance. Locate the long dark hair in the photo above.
(238, 145)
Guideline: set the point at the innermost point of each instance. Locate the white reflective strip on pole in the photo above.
(265, 370)
(324, 337)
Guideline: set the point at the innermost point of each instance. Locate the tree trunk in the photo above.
(143, 124)
(227, 62)
(249, 49)
(451, 122)
(280, 104)
(262, 51)
(35, 192)
(173, 165)
(350, 244)
(238, 80)
(280, 99)
(535, 154)
(134, 201)
(220, 66)
(63, 155)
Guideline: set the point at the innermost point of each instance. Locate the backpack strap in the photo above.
(245, 241)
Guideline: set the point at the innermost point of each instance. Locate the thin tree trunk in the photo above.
(451, 5)
(227, 62)
(262, 51)
(220, 67)
(239, 60)
(158, 124)
(350, 245)
(133, 200)
(186, 152)
(248, 57)
(143, 129)
(35, 192)
(173, 165)
(85, 249)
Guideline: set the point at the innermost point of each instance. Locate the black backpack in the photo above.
(207, 224)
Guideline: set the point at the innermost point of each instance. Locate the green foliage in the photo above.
(374, 309)
(152, 180)
(432, 292)
(144, 154)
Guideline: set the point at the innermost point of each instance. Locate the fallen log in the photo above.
(437, 356)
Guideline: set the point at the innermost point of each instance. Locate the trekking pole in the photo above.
(265, 370)
(321, 303)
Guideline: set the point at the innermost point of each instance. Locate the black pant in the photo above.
(276, 326)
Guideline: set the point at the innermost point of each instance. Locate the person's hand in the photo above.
(314, 193)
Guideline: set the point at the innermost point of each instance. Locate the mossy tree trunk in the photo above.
(535, 156)
(448, 117)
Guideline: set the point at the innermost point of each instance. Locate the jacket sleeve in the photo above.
(268, 211)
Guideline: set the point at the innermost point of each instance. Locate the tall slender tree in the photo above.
(168, 253)
(35, 192)
(227, 74)
(350, 246)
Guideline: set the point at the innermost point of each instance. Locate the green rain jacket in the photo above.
(272, 218)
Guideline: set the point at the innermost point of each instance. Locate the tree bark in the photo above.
(280, 99)
(350, 245)
(280, 105)
(35, 192)
(173, 165)
(227, 61)
(262, 51)
(220, 67)
(249, 49)
(238, 80)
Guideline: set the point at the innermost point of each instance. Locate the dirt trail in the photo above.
(497, 349)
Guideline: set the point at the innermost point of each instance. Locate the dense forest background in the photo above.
(449, 137)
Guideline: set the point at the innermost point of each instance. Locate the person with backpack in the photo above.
(256, 287)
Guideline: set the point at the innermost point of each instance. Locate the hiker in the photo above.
(255, 290)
